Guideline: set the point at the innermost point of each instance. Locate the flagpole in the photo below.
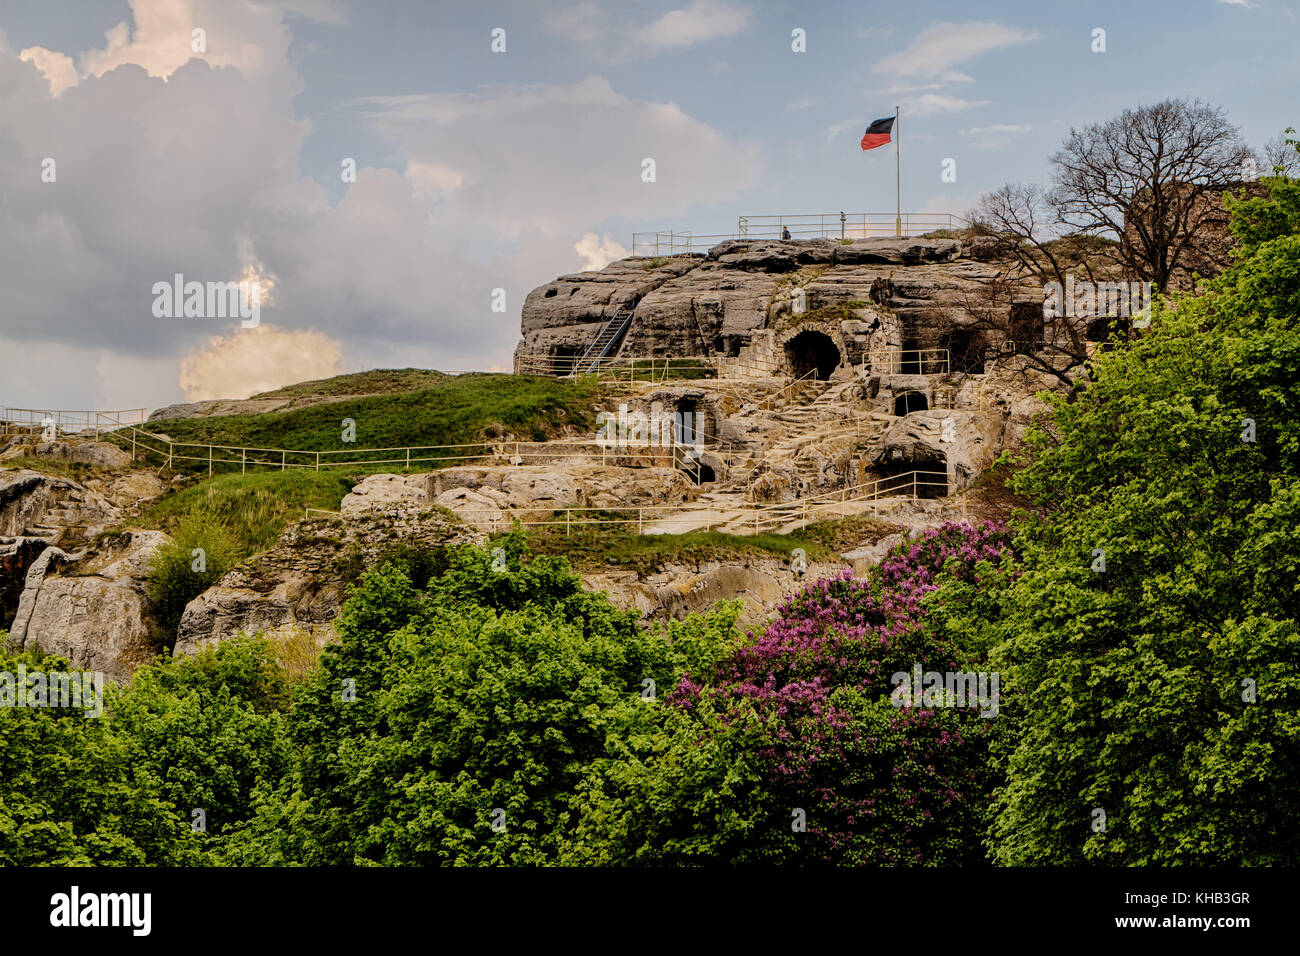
(898, 182)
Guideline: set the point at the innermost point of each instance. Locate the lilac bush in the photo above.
(879, 783)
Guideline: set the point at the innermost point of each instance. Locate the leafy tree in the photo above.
(1164, 690)
(797, 727)
(199, 553)
(119, 789)
(454, 724)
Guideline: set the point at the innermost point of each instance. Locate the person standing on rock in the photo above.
(785, 232)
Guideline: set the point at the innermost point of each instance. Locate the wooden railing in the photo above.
(746, 517)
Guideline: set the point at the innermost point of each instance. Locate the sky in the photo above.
(395, 176)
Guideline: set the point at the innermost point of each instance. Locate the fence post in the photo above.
(243, 460)
(408, 458)
(209, 461)
(283, 453)
(914, 486)
(567, 514)
(638, 521)
(318, 461)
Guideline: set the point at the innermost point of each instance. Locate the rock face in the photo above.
(100, 454)
(59, 510)
(302, 581)
(751, 299)
(91, 609)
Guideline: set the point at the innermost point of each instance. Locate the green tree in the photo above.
(1164, 690)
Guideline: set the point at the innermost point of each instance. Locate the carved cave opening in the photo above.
(811, 350)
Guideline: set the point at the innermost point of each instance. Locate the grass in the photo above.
(458, 410)
(828, 313)
(379, 381)
(75, 470)
(254, 508)
(594, 547)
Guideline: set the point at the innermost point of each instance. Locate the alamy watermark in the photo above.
(209, 300)
(80, 690)
(973, 689)
(1097, 300)
(657, 427)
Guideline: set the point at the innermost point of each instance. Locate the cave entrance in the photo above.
(700, 473)
(686, 424)
(965, 351)
(908, 402)
(811, 351)
(928, 478)
(564, 359)
(1025, 327)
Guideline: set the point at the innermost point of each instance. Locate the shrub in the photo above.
(199, 553)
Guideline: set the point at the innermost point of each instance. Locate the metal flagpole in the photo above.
(898, 183)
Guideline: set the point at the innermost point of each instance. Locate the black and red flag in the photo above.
(878, 133)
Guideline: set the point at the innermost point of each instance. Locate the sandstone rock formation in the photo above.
(751, 299)
(302, 581)
(91, 608)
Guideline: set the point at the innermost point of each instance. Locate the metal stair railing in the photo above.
(609, 333)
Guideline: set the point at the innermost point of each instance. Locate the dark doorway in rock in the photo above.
(927, 478)
(965, 350)
(686, 423)
(909, 359)
(1099, 329)
(564, 358)
(699, 472)
(728, 345)
(811, 351)
(908, 402)
(1025, 327)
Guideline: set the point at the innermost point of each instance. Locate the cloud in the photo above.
(703, 20)
(58, 69)
(991, 137)
(598, 252)
(699, 22)
(257, 360)
(931, 104)
(595, 141)
(838, 129)
(199, 173)
(936, 49)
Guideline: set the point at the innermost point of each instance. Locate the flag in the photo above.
(878, 133)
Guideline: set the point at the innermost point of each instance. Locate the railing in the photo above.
(907, 361)
(792, 388)
(746, 517)
(65, 422)
(212, 457)
(627, 368)
(655, 244)
(828, 225)
(855, 225)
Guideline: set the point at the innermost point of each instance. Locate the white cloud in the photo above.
(938, 48)
(598, 252)
(699, 22)
(932, 104)
(58, 69)
(434, 180)
(949, 205)
(199, 173)
(587, 144)
(838, 129)
(257, 360)
(991, 137)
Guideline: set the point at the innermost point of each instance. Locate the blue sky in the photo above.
(480, 170)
